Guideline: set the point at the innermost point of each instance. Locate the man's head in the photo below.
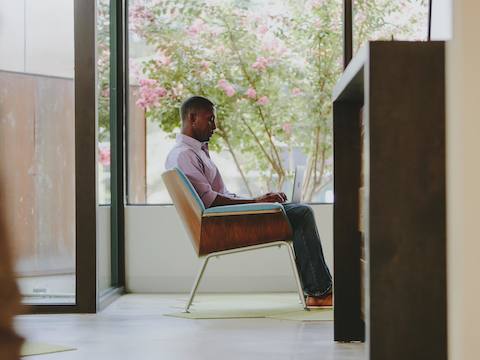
(198, 118)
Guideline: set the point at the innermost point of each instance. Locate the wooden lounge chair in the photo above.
(228, 229)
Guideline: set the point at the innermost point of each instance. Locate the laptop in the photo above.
(298, 185)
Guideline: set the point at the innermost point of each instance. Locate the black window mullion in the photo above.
(347, 32)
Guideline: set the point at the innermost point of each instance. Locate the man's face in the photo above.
(204, 124)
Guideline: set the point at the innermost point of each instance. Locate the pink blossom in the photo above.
(196, 28)
(150, 93)
(287, 127)
(104, 155)
(272, 44)
(147, 82)
(262, 29)
(257, 18)
(296, 91)
(230, 91)
(251, 93)
(227, 87)
(105, 92)
(139, 16)
(261, 63)
(163, 59)
(141, 103)
(140, 13)
(205, 65)
(318, 24)
(263, 100)
(161, 91)
(317, 3)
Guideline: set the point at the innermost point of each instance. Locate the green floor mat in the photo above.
(33, 348)
(311, 315)
(233, 306)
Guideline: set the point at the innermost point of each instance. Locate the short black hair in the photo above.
(194, 103)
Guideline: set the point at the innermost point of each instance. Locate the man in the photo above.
(190, 154)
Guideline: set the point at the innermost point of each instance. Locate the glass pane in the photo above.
(103, 69)
(268, 65)
(104, 115)
(37, 151)
(389, 20)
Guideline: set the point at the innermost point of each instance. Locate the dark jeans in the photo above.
(316, 278)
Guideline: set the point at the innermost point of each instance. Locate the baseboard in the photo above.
(109, 296)
(183, 284)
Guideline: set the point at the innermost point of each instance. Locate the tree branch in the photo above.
(262, 148)
(237, 163)
(277, 165)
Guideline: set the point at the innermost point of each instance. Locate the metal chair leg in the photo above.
(297, 277)
(249, 248)
(197, 282)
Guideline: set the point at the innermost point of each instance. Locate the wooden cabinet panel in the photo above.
(389, 145)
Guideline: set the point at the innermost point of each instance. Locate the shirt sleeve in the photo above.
(191, 166)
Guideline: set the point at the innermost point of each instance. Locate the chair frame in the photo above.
(243, 249)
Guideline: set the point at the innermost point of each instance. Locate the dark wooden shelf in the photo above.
(389, 141)
(350, 84)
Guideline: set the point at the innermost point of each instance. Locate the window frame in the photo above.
(87, 297)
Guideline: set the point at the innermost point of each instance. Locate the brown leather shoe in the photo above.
(316, 301)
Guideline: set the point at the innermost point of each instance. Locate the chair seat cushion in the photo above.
(243, 209)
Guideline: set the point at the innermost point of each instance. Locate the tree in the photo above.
(270, 70)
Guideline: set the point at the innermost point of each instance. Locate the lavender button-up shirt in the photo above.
(192, 157)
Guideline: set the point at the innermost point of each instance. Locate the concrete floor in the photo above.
(134, 327)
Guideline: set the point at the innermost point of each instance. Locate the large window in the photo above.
(104, 115)
(103, 93)
(389, 20)
(269, 65)
(37, 145)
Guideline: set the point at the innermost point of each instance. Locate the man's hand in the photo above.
(272, 197)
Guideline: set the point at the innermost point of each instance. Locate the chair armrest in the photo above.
(243, 209)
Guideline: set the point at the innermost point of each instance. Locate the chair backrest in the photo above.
(188, 204)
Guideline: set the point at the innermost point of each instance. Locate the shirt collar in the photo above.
(191, 142)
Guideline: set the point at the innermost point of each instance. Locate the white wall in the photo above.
(160, 257)
(463, 181)
(441, 27)
(12, 35)
(36, 36)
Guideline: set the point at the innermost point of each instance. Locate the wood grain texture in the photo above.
(217, 233)
(346, 248)
(186, 206)
(232, 232)
(85, 156)
(402, 175)
(407, 237)
(37, 160)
